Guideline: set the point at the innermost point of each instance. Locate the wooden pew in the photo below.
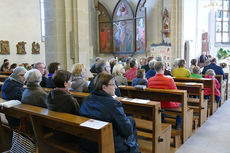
(150, 111)
(195, 89)
(165, 95)
(68, 123)
(5, 73)
(222, 88)
(3, 77)
(208, 83)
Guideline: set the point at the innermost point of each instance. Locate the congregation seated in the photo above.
(181, 71)
(12, 89)
(151, 72)
(217, 69)
(196, 72)
(207, 91)
(52, 68)
(102, 106)
(60, 99)
(42, 68)
(78, 82)
(159, 81)
(127, 66)
(102, 66)
(140, 79)
(131, 73)
(118, 73)
(34, 94)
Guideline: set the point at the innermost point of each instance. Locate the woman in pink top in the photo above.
(207, 92)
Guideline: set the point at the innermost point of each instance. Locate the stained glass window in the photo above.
(222, 22)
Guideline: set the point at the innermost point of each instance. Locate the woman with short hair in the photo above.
(33, 79)
(60, 99)
(102, 106)
(78, 82)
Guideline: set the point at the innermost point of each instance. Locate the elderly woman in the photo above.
(60, 99)
(151, 72)
(33, 78)
(12, 89)
(78, 82)
(118, 73)
(102, 106)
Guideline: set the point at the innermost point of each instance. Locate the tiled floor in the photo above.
(213, 136)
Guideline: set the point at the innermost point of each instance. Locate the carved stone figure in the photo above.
(166, 23)
(5, 49)
(21, 47)
(35, 48)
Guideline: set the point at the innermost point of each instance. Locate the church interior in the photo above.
(170, 37)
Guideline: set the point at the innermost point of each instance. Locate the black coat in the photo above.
(99, 105)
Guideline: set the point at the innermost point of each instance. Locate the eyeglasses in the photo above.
(111, 84)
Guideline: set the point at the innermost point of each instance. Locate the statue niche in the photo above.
(5, 49)
(35, 48)
(21, 47)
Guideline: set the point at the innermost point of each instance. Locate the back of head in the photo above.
(140, 73)
(158, 58)
(53, 67)
(128, 60)
(133, 63)
(210, 72)
(181, 63)
(97, 59)
(102, 79)
(18, 71)
(113, 62)
(100, 66)
(151, 64)
(193, 62)
(213, 60)
(196, 70)
(13, 66)
(33, 76)
(117, 69)
(77, 69)
(159, 66)
(5, 60)
(150, 58)
(60, 77)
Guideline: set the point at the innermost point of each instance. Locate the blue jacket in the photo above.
(101, 106)
(91, 87)
(218, 70)
(12, 90)
(139, 81)
(150, 74)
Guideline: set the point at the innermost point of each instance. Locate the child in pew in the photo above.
(207, 91)
(140, 79)
(196, 72)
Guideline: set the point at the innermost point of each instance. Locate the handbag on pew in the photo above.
(22, 143)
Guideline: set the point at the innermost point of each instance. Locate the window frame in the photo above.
(222, 27)
(42, 18)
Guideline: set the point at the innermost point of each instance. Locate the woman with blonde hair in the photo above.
(118, 73)
(78, 83)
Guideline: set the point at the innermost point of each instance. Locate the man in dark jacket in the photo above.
(218, 70)
(103, 66)
(42, 68)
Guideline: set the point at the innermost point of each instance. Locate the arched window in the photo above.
(123, 28)
(222, 23)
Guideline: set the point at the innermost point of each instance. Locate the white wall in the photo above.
(20, 21)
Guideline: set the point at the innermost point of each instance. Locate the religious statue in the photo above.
(166, 22)
(21, 47)
(5, 49)
(35, 48)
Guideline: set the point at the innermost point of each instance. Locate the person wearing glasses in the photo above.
(42, 68)
(12, 89)
(101, 105)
